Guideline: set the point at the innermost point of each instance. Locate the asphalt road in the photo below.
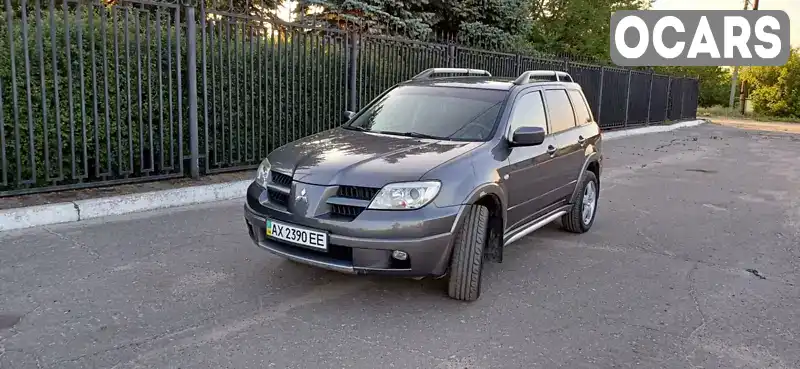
(661, 281)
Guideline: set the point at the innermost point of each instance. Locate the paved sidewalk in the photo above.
(119, 190)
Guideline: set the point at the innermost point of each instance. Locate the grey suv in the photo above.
(433, 177)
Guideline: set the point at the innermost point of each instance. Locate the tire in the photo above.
(466, 263)
(574, 220)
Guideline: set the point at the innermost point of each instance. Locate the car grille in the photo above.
(277, 197)
(281, 179)
(349, 212)
(360, 193)
(346, 211)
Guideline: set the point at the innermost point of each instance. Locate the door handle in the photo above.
(551, 150)
(581, 140)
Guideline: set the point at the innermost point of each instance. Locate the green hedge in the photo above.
(92, 122)
(294, 84)
(277, 90)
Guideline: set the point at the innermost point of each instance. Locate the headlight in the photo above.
(405, 196)
(262, 176)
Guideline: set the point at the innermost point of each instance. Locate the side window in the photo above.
(529, 112)
(561, 116)
(581, 108)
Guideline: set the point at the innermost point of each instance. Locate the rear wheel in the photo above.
(581, 216)
(466, 264)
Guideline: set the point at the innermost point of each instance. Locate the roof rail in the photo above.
(427, 73)
(542, 76)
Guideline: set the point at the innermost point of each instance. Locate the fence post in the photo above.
(451, 56)
(683, 95)
(566, 64)
(353, 69)
(600, 95)
(669, 90)
(649, 97)
(628, 97)
(518, 65)
(191, 76)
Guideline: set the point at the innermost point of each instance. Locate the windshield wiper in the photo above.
(410, 134)
(356, 128)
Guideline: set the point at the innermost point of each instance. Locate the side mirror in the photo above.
(347, 115)
(528, 136)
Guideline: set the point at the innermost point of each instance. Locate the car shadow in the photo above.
(286, 274)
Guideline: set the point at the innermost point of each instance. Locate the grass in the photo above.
(724, 112)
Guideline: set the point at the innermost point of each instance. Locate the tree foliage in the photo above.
(775, 91)
(488, 23)
(576, 27)
(410, 17)
(714, 82)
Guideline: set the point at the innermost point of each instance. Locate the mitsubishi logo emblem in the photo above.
(302, 195)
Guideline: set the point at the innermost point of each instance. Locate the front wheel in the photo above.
(466, 264)
(581, 216)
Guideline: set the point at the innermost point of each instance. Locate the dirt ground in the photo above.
(760, 126)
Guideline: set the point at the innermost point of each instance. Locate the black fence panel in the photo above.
(533, 63)
(658, 100)
(96, 93)
(499, 64)
(675, 99)
(383, 62)
(638, 98)
(588, 76)
(615, 95)
(90, 94)
(265, 84)
(691, 94)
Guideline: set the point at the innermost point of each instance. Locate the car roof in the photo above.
(481, 82)
(490, 83)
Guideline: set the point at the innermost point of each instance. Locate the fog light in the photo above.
(399, 255)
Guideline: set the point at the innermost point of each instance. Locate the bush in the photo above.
(79, 110)
(124, 111)
(774, 89)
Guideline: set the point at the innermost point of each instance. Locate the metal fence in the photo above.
(93, 94)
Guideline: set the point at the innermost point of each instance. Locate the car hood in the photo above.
(345, 157)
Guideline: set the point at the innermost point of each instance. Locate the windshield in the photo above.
(434, 112)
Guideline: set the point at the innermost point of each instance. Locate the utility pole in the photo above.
(735, 76)
(743, 91)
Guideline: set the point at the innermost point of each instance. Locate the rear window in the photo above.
(581, 109)
(562, 117)
(439, 112)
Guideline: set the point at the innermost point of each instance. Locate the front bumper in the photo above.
(426, 235)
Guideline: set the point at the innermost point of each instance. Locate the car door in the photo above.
(582, 136)
(532, 174)
(569, 157)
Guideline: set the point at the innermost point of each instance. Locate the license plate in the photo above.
(301, 236)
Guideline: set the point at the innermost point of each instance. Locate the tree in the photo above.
(487, 23)
(576, 27)
(409, 17)
(775, 90)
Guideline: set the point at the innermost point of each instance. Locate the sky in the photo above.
(792, 11)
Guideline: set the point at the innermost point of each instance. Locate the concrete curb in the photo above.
(33, 216)
(96, 208)
(117, 205)
(651, 129)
